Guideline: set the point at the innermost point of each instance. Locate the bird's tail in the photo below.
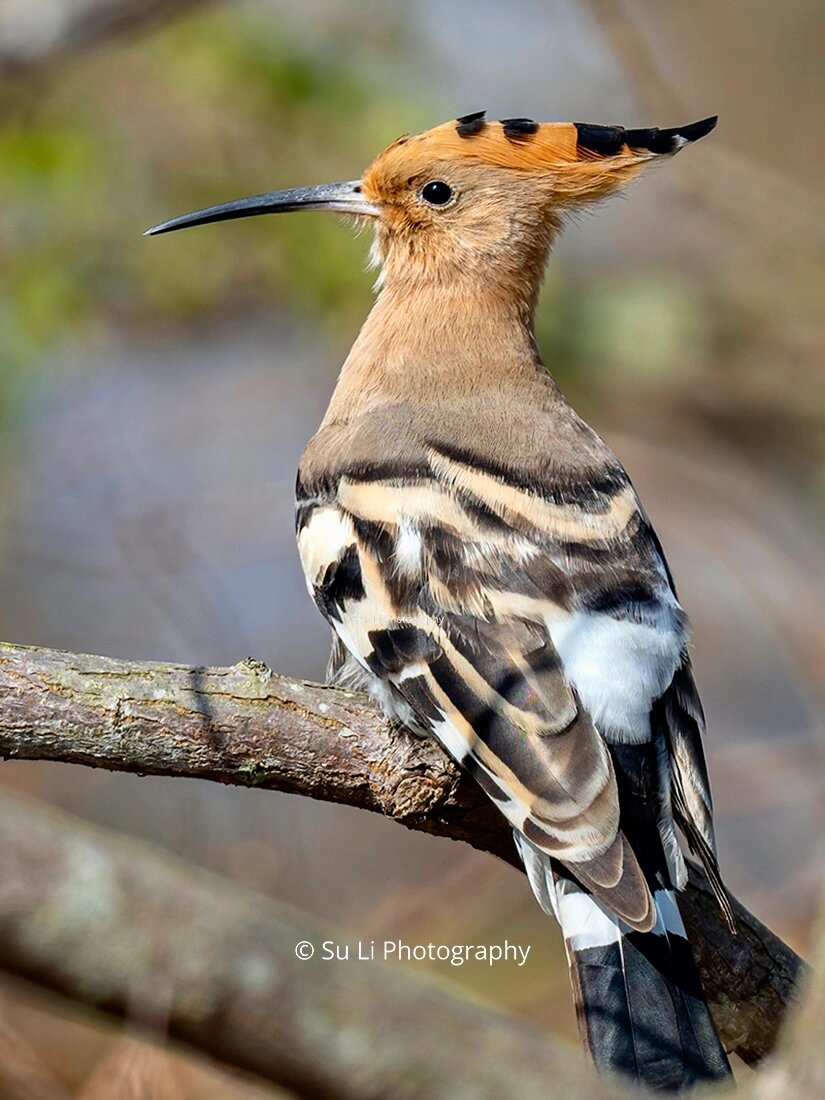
(639, 999)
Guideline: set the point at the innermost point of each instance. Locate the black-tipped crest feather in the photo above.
(609, 140)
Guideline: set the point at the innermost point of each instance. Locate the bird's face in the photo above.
(445, 218)
(473, 198)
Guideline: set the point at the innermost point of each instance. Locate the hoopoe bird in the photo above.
(490, 575)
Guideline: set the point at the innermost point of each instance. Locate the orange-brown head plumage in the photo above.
(581, 160)
(475, 195)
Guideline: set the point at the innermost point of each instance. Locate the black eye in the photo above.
(436, 193)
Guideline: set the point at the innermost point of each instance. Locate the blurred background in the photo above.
(155, 396)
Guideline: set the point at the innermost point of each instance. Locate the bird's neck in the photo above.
(426, 340)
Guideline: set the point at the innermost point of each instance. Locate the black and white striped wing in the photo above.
(520, 628)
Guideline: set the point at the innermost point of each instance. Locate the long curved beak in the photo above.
(344, 198)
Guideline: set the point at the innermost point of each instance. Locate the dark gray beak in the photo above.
(343, 198)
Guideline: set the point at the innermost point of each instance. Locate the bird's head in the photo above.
(474, 197)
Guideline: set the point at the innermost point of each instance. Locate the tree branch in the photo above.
(247, 726)
(109, 921)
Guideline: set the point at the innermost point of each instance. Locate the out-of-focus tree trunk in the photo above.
(113, 924)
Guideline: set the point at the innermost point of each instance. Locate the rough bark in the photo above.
(110, 922)
(248, 726)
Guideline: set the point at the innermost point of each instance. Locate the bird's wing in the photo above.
(524, 628)
(679, 715)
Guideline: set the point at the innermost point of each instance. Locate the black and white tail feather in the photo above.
(639, 1000)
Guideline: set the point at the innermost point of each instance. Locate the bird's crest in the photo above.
(584, 160)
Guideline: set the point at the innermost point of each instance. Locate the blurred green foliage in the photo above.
(213, 107)
(608, 331)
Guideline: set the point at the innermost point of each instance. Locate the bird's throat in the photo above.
(435, 340)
